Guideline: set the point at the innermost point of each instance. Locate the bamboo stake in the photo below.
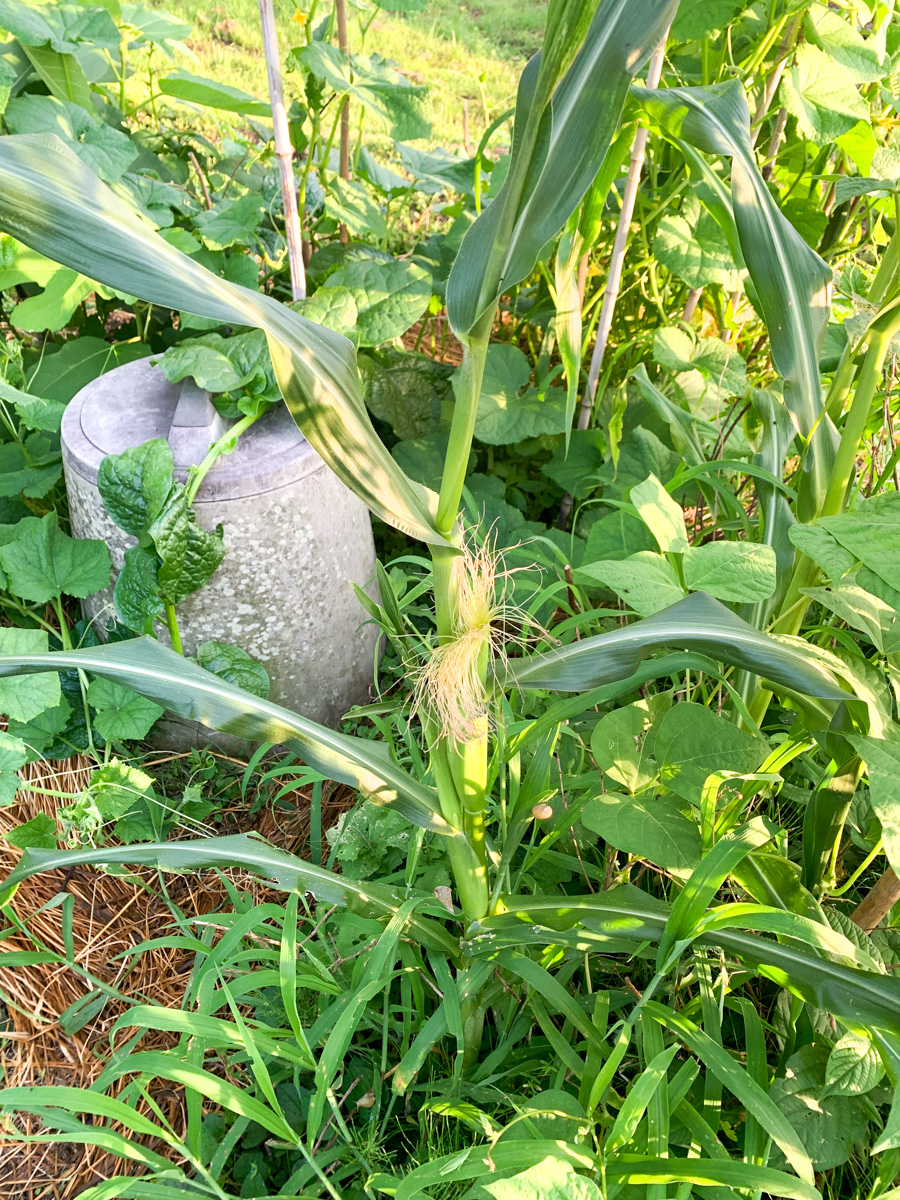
(638, 154)
(341, 10)
(284, 151)
(614, 281)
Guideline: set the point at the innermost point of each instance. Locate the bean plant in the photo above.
(477, 767)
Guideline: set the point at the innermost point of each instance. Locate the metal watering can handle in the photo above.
(195, 426)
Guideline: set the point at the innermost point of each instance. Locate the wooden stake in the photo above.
(877, 903)
(638, 154)
(341, 10)
(284, 151)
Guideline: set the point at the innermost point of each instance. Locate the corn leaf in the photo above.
(54, 204)
(558, 143)
(696, 623)
(792, 282)
(183, 688)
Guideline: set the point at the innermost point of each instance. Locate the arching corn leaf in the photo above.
(183, 688)
(696, 623)
(283, 871)
(563, 128)
(53, 203)
(791, 281)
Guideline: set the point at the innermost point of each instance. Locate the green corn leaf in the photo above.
(697, 894)
(283, 871)
(729, 1175)
(185, 689)
(791, 281)
(742, 1085)
(53, 203)
(557, 145)
(642, 1092)
(625, 916)
(697, 623)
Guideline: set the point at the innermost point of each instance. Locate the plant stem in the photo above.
(222, 446)
(66, 640)
(172, 625)
(462, 429)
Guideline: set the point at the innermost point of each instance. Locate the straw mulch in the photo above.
(110, 916)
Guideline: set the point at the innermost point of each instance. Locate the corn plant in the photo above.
(470, 680)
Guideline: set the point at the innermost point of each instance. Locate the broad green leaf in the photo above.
(882, 759)
(506, 413)
(696, 21)
(188, 554)
(136, 594)
(234, 665)
(646, 581)
(861, 610)
(333, 307)
(871, 532)
(620, 745)
(373, 82)
(42, 732)
(104, 150)
(823, 548)
(662, 516)
(45, 197)
(7, 79)
(616, 536)
(121, 713)
(640, 454)
(210, 93)
(693, 743)
(63, 26)
(62, 73)
(24, 699)
(60, 374)
(405, 390)
(649, 826)
(696, 623)
(44, 563)
(828, 1125)
(208, 360)
(135, 485)
(157, 26)
(821, 93)
(35, 412)
(51, 309)
(737, 572)
(389, 297)
(853, 1067)
(349, 202)
(706, 369)
(550, 1179)
(557, 147)
(231, 222)
(573, 468)
(13, 756)
(833, 33)
(437, 170)
(286, 872)
(697, 254)
(187, 690)
(39, 833)
(790, 280)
